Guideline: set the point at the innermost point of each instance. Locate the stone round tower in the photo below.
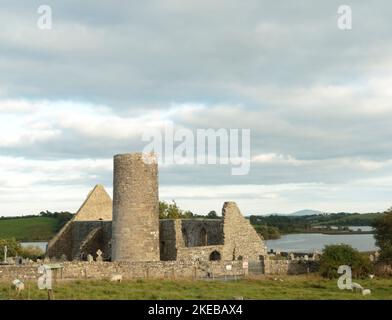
(135, 226)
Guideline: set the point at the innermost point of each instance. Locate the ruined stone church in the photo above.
(129, 229)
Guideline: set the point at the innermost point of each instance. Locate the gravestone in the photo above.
(376, 255)
(99, 256)
(90, 258)
(5, 254)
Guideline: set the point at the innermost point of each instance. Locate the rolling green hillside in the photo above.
(28, 228)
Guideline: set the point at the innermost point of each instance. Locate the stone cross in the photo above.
(5, 254)
(99, 256)
(376, 255)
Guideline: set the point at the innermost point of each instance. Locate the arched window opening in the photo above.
(215, 256)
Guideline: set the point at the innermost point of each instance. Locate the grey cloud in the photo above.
(158, 53)
(251, 64)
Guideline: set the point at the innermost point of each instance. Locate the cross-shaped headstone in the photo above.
(5, 254)
(99, 255)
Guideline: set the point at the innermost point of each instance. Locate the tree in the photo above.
(173, 211)
(383, 235)
(334, 256)
(187, 214)
(212, 215)
(163, 209)
(170, 210)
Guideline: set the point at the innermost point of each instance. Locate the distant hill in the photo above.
(28, 228)
(300, 213)
(305, 212)
(40, 227)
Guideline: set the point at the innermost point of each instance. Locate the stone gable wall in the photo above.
(97, 206)
(240, 238)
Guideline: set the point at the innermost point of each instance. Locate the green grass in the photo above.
(291, 287)
(28, 228)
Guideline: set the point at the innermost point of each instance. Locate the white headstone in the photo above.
(99, 256)
(5, 254)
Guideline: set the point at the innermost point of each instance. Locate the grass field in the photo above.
(28, 228)
(289, 287)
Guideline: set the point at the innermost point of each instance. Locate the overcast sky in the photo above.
(317, 100)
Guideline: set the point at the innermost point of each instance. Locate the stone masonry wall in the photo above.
(135, 227)
(198, 253)
(240, 238)
(287, 267)
(168, 238)
(193, 232)
(61, 243)
(156, 269)
(97, 207)
(73, 236)
(176, 233)
(101, 240)
(128, 270)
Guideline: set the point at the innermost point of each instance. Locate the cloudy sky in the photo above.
(316, 98)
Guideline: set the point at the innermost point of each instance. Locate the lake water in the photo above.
(41, 245)
(310, 242)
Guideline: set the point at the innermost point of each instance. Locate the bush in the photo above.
(31, 252)
(383, 236)
(14, 249)
(334, 256)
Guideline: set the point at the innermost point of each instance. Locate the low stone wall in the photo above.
(198, 253)
(128, 270)
(156, 269)
(287, 267)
